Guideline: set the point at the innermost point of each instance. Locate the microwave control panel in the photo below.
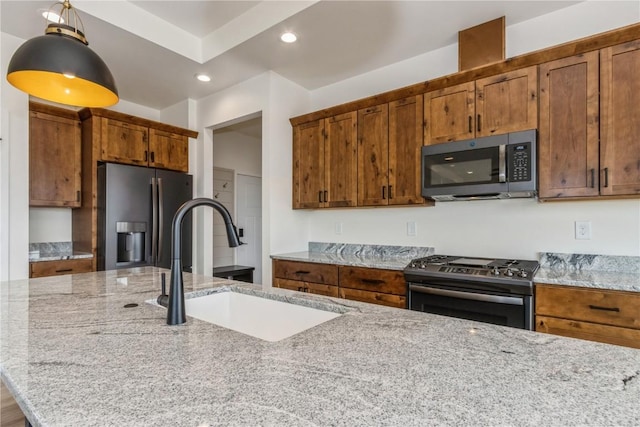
(519, 158)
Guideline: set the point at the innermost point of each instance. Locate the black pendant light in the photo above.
(60, 66)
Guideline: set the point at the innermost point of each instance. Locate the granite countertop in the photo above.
(55, 251)
(73, 354)
(620, 273)
(58, 256)
(370, 256)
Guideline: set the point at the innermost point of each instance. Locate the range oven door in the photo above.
(506, 310)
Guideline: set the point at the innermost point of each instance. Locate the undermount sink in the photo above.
(263, 318)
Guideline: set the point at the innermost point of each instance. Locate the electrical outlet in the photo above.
(583, 230)
(412, 228)
(338, 228)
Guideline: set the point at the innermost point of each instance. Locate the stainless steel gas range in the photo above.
(498, 291)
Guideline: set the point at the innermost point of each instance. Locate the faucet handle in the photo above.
(163, 299)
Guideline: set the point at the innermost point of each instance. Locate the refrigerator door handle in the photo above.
(154, 221)
(160, 218)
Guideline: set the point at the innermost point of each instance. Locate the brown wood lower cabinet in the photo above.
(312, 288)
(10, 413)
(601, 315)
(60, 267)
(385, 287)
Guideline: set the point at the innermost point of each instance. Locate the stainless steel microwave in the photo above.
(492, 167)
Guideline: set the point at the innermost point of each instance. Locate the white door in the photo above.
(249, 223)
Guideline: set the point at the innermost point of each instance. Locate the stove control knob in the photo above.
(522, 273)
(495, 271)
(508, 273)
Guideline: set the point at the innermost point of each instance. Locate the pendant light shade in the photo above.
(60, 67)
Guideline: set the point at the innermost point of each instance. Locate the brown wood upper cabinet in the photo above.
(128, 143)
(389, 144)
(325, 162)
(620, 110)
(121, 138)
(573, 162)
(168, 150)
(55, 158)
(123, 142)
(489, 106)
(568, 144)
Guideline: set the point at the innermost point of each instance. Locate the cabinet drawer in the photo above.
(616, 308)
(56, 268)
(306, 272)
(373, 297)
(312, 288)
(589, 331)
(373, 280)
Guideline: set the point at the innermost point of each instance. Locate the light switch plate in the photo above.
(412, 228)
(338, 228)
(583, 230)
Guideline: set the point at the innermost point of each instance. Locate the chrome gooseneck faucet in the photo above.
(175, 304)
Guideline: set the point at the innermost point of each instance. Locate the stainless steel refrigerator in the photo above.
(136, 206)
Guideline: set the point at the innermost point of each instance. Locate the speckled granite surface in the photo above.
(73, 355)
(54, 251)
(590, 271)
(372, 256)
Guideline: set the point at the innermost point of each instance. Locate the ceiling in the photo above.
(155, 48)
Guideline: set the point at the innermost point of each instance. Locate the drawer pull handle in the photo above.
(64, 270)
(302, 272)
(373, 281)
(597, 307)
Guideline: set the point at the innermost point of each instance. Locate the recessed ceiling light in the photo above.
(203, 77)
(51, 16)
(288, 37)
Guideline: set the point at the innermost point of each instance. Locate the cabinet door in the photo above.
(568, 133)
(449, 114)
(620, 119)
(168, 150)
(306, 272)
(57, 268)
(341, 161)
(373, 156)
(507, 102)
(308, 165)
(54, 161)
(122, 142)
(405, 145)
(589, 331)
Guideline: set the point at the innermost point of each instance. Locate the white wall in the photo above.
(237, 151)
(511, 228)
(276, 99)
(14, 179)
(49, 225)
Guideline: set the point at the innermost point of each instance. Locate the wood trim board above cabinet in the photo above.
(583, 45)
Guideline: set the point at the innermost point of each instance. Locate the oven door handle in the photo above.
(467, 295)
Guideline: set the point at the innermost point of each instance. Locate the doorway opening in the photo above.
(237, 183)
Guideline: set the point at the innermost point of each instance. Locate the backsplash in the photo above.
(588, 262)
(48, 248)
(363, 250)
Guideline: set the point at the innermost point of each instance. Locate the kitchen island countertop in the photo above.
(88, 350)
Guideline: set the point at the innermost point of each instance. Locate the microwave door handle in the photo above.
(502, 163)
